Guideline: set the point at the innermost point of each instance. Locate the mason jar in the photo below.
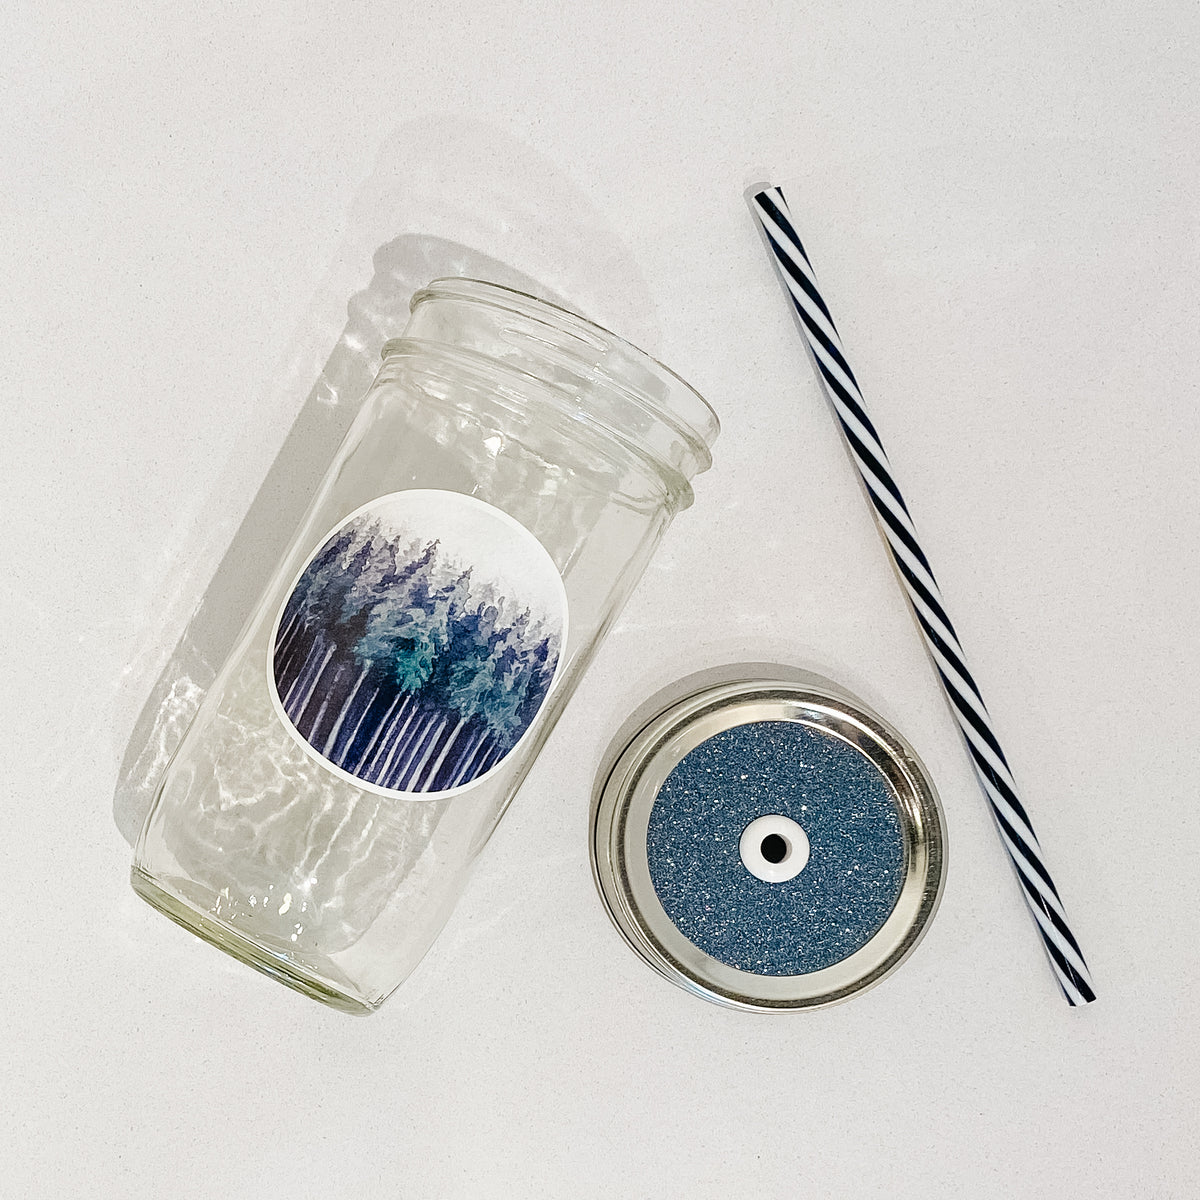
(510, 473)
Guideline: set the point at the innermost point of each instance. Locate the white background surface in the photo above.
(1000, 202)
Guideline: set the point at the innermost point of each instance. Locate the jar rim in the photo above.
(703, 426)
(468, 367)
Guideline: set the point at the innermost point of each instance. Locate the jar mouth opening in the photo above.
(688, 412)
(439, 362)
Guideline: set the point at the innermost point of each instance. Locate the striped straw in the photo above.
(991, 767)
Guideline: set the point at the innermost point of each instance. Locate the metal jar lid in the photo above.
(766, 841)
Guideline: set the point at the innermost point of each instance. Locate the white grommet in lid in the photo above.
(774, 848)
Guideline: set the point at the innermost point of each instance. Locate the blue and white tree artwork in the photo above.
(419, 642)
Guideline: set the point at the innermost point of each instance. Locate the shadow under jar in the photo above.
(507, 480)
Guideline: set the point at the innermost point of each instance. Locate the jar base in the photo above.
(277, 965)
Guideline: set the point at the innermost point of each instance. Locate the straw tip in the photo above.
(756, 189)
(1083, 995)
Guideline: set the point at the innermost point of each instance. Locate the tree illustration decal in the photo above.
(396, 665)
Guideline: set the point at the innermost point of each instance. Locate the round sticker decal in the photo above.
(419, 642)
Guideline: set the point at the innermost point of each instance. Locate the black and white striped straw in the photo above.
(991, 767)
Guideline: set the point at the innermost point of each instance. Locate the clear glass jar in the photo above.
(508, 478)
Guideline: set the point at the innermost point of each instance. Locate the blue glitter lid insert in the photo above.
(834, 906)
